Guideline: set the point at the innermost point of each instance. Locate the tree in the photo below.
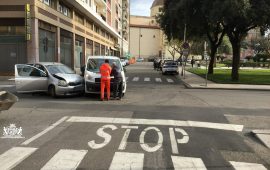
(199, 19)
(239, 17)
(174, 46)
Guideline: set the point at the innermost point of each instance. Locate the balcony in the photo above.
(101, 3)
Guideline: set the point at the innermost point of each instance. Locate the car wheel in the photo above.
(52, 91)
(123, 94)
(163, 73)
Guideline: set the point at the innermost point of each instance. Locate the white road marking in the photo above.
(170, 81)
(65, 160)
(158, 80)
(247, 166)
(147, 79)
(135, 79)
(107, 137)
(14, 156)
(45, 131)
(12, 79)
(6, 86)
(187, 163)
(127, 161)
(175, 141)
(123, 143)
(145, 146)
(160, 122)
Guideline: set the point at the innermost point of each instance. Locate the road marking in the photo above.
(247, 166)
(135, 79)
(65, 160)
(145, 146)
(6, 86)
(12, 79)
(14, 156)
(127, 161)
(170, 81)
(158, 80)
(146, 79)
(175, 141)
(45, 131)
(161, 122)
(123, 143)
(189, 163)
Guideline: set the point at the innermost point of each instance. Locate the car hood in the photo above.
(69, 77)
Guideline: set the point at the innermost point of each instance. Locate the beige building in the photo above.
(60, 31)
(146, 37)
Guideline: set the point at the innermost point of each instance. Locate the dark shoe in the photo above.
(101, 99)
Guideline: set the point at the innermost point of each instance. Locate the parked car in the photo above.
(139, 59)
(170, 66)
(55, 78)
(92, 75)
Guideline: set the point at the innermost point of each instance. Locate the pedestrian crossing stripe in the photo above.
(65, 159)
(14, 156)
(147, 79)
(247, 166)
(70, 159)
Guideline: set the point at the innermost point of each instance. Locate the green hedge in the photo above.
(228, 63)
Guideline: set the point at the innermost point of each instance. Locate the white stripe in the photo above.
(189, 163)
(179, 123)
(158, 80)
(65, 160)
(127, 161)
(247, 166)
(14, 156)
(170, 81)
(5, 86)
(135, 79)
(146, 79)
(12, 79)
(44, 131)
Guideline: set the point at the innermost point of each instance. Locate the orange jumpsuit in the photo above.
(105, 81)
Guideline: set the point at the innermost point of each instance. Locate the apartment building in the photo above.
(65, 31)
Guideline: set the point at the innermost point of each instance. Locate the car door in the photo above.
(30, 79)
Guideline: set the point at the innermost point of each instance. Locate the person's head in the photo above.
(106, 61)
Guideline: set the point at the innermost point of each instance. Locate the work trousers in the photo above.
(118, 87)
(105, 83)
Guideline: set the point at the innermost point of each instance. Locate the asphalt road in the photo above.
(158, 125)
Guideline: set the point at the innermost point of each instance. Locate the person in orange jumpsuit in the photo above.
(105, 81)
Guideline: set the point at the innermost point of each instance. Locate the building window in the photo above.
(64, 10)
(116, 25)
(96, 29)
(50, 3)
(89, 25)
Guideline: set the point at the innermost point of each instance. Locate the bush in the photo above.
(261, 57)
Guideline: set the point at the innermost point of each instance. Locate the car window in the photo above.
(26, 70)
(54, 69)
(93, 64)
(40, 67)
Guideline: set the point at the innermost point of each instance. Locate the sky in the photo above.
(140, 7)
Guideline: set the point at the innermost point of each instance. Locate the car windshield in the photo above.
(93, 64)
(54, 69)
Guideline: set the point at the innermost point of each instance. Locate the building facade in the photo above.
(148, 40)
(59, 31)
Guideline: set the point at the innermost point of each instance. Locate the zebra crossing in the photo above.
(148, 79)
(67, 159)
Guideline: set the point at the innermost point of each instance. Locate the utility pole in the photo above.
(122, 40)
(140, 42)
(206, 59)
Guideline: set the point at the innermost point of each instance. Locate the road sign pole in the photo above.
(206, 59)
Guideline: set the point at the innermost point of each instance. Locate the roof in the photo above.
(157, 3)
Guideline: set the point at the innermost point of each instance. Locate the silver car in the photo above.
(55, 78)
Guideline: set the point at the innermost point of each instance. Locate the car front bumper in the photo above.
(69, 90)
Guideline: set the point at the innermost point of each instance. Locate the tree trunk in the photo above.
(212, 59)
(236, 60)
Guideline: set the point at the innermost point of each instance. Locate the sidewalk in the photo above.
(193, 81)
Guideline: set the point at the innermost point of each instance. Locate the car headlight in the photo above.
(62, 83)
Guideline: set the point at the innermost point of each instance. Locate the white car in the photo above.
(92, 75)
(170, 66)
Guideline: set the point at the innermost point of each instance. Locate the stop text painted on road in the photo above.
(107, 138)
